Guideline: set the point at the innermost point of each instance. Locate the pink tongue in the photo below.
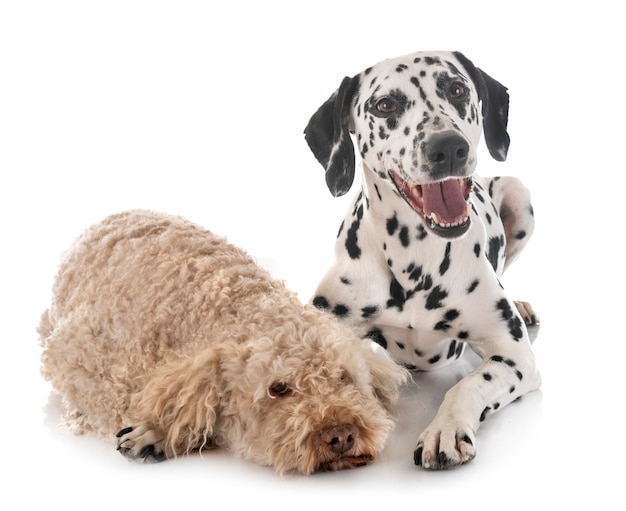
(445, 199)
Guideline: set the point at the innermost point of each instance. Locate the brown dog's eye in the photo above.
(386, 105)
(345, 378)
(457, 89)
(280, 389)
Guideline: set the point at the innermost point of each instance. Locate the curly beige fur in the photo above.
(169, 335)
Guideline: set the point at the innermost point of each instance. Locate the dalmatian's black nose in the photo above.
(447, 155)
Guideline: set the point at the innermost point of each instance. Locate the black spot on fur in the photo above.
(477, 250)
(448, 317)
(415, 273)
(507, 361)
(493, 252)
(513, 322)
(425, 283)
(369, 311)
(398, 295)
(483, 415)
(352, 238)
(377, 336)
(421, 232)
(487, 377)
(345, 280)
(321, 302)
(392, 225)
(472, 286)
(404, 236)
(341, 311)
(435, 298)
(435, 359)
(445, 264)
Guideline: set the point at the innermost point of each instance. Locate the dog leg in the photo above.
(508, 371)
(512, 199)
(175, 412)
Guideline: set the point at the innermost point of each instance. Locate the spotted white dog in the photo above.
(420, 253)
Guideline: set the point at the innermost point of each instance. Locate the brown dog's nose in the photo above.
(339, 439)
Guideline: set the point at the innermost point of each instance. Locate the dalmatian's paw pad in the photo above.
(444, 449)
(141, 444)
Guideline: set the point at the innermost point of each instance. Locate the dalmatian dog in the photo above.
(420, 253)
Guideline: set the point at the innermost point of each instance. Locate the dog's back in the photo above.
(136, 288)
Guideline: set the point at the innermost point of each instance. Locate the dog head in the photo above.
(417, 121)
(312, 399)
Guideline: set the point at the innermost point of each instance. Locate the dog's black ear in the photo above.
(495, 108)
(328, 136)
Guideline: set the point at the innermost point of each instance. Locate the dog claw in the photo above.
(442, 457)
(140, 444)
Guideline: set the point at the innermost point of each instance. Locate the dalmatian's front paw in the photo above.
(440, 448)
(141, 444)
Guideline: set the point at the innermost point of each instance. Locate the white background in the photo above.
(197, 109)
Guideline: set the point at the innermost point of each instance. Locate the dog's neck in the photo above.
(384, 201)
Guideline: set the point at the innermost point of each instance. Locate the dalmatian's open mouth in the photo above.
(443, 205)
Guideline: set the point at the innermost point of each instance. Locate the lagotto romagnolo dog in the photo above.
(168, 337)
(420, 253)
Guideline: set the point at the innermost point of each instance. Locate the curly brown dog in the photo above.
(168, 336)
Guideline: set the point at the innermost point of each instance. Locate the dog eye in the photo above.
(386, 105)
(456, 90)
(279, 389)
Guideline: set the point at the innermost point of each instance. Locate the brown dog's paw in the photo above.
(528, 313)
(141, 444)
(530, 319)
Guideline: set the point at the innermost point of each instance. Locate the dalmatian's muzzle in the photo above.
(442, 204)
